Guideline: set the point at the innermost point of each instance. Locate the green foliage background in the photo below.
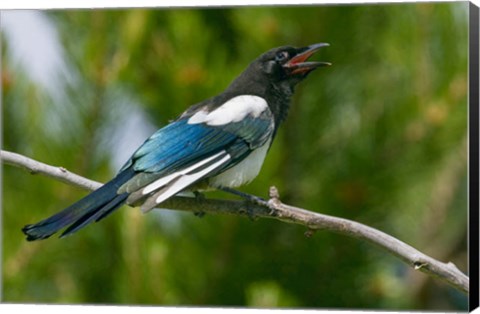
(380, 137)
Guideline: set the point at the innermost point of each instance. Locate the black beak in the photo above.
(298, 64)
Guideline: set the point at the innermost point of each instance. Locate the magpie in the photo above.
(218, 143)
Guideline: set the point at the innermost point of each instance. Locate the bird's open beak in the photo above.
(299, 64)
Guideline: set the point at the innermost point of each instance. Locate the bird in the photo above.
(220, 142)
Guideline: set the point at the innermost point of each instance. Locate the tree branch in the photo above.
(58, 173)
(273, 209)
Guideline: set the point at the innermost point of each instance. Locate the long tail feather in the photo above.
(92, 207)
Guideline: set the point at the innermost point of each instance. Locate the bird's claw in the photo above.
(199, 214)
(199, 197)
(250, 212)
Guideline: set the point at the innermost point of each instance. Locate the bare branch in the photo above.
(275, 209)
(58, 173)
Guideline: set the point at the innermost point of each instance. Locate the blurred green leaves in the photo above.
(379, 137)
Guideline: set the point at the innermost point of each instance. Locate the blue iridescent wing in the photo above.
(180, 150)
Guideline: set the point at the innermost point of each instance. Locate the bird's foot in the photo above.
(199, 214)
(250, 200)
(200, 197)
(250, 211)
(248, 197)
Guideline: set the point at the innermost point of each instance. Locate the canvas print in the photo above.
(310, 157)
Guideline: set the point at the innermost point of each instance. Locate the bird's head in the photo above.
(282, 68)
(274, 75)
(290, 64)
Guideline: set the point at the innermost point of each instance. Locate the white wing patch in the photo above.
(234, 110)
(198, 117)
(165, 180)
(186, 180)
(178, 181)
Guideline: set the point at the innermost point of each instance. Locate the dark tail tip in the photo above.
(32, 233)
(92, 207)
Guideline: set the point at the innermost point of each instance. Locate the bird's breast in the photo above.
(243, 172)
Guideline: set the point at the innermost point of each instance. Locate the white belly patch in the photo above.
(243, 172)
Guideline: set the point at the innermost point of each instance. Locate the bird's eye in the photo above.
(281, 56)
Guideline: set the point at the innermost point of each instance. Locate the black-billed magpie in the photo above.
(219, 142)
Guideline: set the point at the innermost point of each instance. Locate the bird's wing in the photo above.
(191, 149)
